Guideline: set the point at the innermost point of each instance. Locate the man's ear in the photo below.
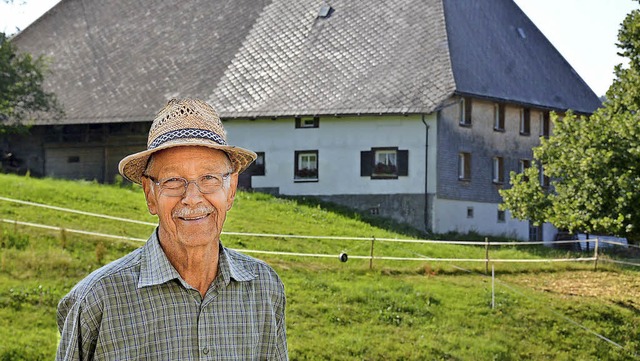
(231, 194)
(149, 194)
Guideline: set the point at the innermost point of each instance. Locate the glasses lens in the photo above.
(210, 183)
(173, 186)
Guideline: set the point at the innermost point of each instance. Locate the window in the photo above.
(464, 166)
(307, 122)
(498, 170)
(469, 212)
(73, 159)
(498, 117)
(501, 216)
(306, 165)
(384, 163)
(544, 180)
(525, 121)
(465, 112)
(258, 167)
(544, 124)
(535, 232)
(523, 164)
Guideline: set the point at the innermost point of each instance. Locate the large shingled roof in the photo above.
(267, 58)
(365, 57)
(497, 52)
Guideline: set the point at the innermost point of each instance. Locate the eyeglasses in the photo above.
(177, 186)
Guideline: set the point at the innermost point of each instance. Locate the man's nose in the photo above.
(192, 193)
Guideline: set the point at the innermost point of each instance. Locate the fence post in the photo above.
(373, 240)
(486, 255)
(595, 255)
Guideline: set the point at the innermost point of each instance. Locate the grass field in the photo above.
(413, 310)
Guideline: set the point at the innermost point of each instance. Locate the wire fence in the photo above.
(596, 257)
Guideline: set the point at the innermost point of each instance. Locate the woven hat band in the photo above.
(187, 133)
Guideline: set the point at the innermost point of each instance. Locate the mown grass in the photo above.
(414, 310)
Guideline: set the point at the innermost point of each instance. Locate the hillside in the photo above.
(395, 310)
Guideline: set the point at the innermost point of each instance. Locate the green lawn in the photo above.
(413, 310)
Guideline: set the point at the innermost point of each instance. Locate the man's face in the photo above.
(192, 219)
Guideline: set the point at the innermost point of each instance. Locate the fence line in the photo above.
(595, 258)
(371, 257)
(272, 235)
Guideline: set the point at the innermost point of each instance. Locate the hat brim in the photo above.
(132, 166)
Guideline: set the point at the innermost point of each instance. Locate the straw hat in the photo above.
(185, 122)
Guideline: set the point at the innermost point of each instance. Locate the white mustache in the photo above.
(193, 212)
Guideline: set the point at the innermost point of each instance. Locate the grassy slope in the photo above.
(340, 311)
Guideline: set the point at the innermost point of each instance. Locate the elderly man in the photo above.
(182, 296)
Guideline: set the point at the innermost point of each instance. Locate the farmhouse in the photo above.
(410, 109)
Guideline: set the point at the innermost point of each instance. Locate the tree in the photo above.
(22, 96)
(593, 162)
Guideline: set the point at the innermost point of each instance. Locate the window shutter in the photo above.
(298, 122)
(403, 162)
(366, 163)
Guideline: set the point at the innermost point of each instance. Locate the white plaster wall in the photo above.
(339, 141)
(451, 216)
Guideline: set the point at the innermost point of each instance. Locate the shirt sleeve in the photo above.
(77, 338)
(281, 351)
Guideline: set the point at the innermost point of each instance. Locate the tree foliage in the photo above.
(22, 96)
(593, 162)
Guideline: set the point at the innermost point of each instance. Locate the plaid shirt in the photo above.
(139, 308)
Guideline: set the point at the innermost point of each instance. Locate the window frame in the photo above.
(523, 164)
(464, 166)
(545, 124)
(525, 121)
(258, 168)
(466, 107)
(498, 117)
(298, 173)
(369, 158)
(501, 217)
(497, 170)
(307, 122)
(545, 181)
(378, 167)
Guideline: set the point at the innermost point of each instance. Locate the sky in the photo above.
(584, 31)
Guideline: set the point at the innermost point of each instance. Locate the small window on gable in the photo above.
(464, 166)
(498, 170)
(498, 117)
(465, 112)
(307, 122)
(384, 163)
(544, 124)
(306, 166)
(525, 121)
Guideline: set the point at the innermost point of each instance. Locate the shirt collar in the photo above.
(156, 269)
(234, 267)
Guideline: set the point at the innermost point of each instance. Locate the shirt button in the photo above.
(205, 350)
